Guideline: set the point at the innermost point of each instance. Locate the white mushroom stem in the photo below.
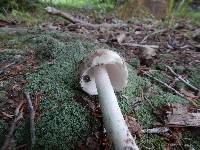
(114, 122)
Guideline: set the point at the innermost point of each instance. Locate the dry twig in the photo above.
(163, 83)
(139, 45)
(32, 116)
(5, 67)
(169, 87)
(181, 79)
(6, 115)
(157, 130)
(156, 32)
(70, 18)
(9, 137)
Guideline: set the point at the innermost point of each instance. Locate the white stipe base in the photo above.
(115, 124)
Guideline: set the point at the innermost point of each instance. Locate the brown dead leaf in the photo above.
(147, 56)
(196, 35)
(16, 87)
(189, 94)
(92, 143)
(38, 97)
(120, 38)
(138, 32)
(149, 53)
(132, 124)
(197, 48)
(174, 137)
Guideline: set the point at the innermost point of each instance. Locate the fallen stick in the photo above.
(9, 137)
(14, 31)
(5, 67)
(139, 45)
(156, 32)
(32, 116)
(4, 23)
(6, 115)
(181, 79)
(158, 130)
(70, 18)
(169, 87)
(163, 83)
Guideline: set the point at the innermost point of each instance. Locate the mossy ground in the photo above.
(63, 122)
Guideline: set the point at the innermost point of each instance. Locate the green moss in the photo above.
(23, 17)
(6, 37)
(166, 56)
(161, 76)
(133, 90)
(22, 133)
(62, 117)
(157, 98)
(2, 131)
(160, 66)
(191, 139)
(179, 69)
(135, 62)
(152, 142)
(7, 56)
(12, 42)
(145, 114)
(194, 76)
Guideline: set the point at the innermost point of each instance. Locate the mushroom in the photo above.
(102, 73)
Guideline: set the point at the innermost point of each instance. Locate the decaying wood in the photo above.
(9, 137)
(32, 117)
(182, 120)
(15, 31)
(180, 117)
(181, 79)
(4, 23)
(70, 18)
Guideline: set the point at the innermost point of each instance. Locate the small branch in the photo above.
(156, 32)
(139, 45)
(9, 137)
(181, 79)
(169, 87)
(32, 116)
(5, 67)
(163, 83)
(70, 18)
(6, 115)
(158, 130)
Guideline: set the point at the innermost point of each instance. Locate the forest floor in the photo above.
(43, 61)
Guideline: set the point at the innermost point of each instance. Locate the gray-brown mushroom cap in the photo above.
(114, 64)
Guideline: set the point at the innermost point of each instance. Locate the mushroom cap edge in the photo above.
(115, 66)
